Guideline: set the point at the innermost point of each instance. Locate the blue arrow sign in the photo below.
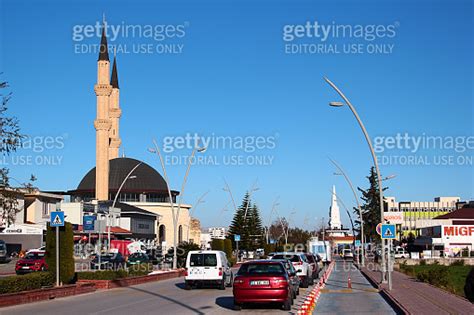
(57, 218)
(388, 231)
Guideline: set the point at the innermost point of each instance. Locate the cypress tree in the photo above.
(370, 208)
(66, 252)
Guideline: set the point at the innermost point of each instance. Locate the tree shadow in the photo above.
(169, 299)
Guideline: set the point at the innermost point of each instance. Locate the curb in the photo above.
(312, 297)
(399, 308)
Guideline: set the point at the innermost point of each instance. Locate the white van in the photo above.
(207, 266)
(321, 248)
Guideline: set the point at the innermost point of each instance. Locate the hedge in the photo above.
(28, 282)
(140, 270)
(102, 275)
(66, 252)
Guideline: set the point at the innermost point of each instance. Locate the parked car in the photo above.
(137, 258)
(294, 279)
(3, 252)
(262, 281)
(299, 261)
(207, 266)
(112, 261)
(313, 262)
(401, 253)
(31, 262)
(347, 254)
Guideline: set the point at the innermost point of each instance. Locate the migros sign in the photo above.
(458, 230)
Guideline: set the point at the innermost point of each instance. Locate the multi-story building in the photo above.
(217, 232)
(410, 216)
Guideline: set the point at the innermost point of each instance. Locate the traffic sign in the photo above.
(57, 218)
(388, 231)
(357, 243)
(237, 238)
(88, 223)
(378, 229)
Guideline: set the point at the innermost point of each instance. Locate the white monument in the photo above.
(334, 214)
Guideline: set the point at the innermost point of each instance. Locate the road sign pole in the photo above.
(237, 248)
(389, 262)
(57, 256)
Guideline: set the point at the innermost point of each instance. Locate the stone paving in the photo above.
(421, 298)
(362, 298)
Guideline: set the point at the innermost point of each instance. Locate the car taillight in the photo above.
(279, 283)
(186, 272)
(220, 271)
(299, 263)
(238, 281)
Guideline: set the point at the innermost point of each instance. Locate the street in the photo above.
(167, 297)
(363, 298)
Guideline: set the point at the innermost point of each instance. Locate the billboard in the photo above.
(394, 217)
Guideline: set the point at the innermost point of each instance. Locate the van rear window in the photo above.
(292, 258)
(203, 260)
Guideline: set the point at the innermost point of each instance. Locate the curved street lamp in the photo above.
(175, 214)
(358, 207)
(376, 164)
(129, 176)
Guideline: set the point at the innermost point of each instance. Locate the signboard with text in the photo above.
(394, 217)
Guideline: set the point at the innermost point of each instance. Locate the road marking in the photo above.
(373, 290)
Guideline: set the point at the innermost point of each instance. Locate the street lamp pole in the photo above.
(175, 214)
(359, 208)
(129, 176)
(267, 232)
(379, 178)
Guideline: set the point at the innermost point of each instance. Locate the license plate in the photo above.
(25, 267)
(260, 282)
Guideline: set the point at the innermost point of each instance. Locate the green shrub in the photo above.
(140, 270)
(232, 261)
(422, 276)
(228, 248)
(217, 244)
(31, 281)
(469, 286)
(66, 252)
(422, 262)
(102, 275)
(459, 262)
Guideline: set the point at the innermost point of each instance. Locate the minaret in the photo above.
(114, 113)
(102, 123)
(334, 215)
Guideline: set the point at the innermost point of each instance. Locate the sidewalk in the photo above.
(421, 298)
(363, 298)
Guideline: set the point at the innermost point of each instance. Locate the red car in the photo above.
(33, 261)
(262, 281)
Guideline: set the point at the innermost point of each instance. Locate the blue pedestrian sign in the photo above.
(57, 218)
(357, 243)
(237, 238)
(88, 223)
(388, 231)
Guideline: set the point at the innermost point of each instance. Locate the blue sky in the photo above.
(233, 78)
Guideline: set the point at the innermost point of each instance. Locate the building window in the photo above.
(45, 209)
(162, 233)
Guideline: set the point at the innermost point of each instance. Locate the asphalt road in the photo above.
(163, 297)
(363, 298)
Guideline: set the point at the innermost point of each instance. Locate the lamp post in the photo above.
(267, 232)
(129, 176)
(200, 200)
(358, 207)
(376, 164)
(175, 214)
